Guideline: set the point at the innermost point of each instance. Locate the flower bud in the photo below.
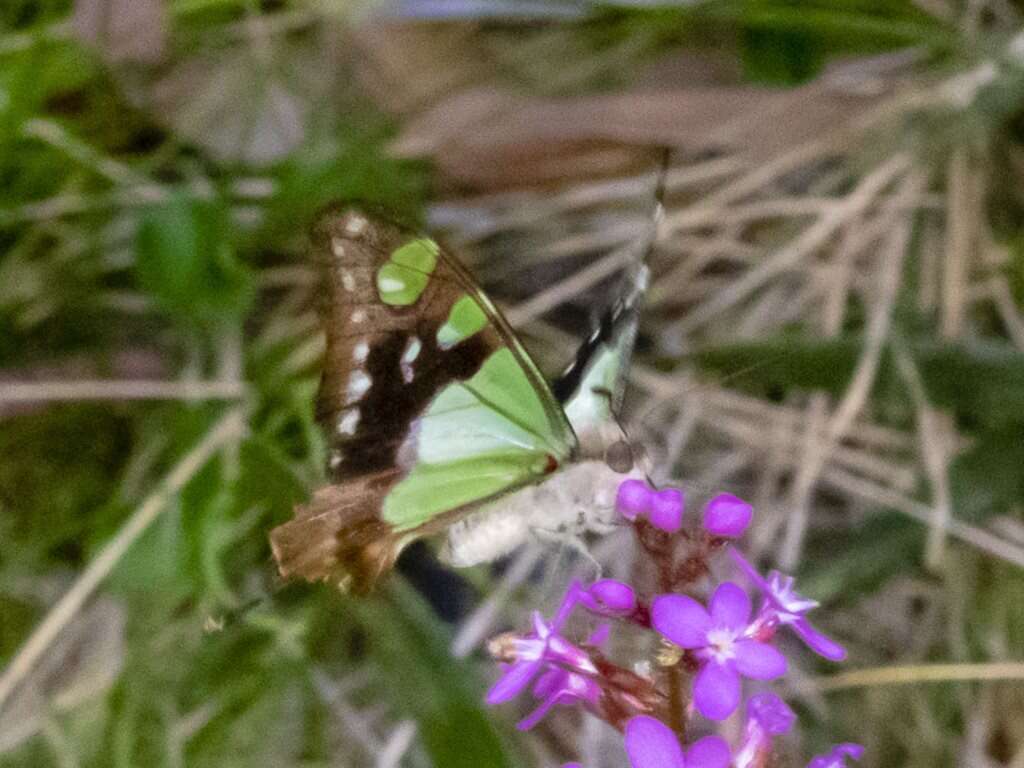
(727, 516)
(666, 510)
(633, 499)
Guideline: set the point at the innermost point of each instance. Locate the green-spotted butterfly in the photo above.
(438, 419)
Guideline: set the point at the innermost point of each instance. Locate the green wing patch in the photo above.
(400, 282)
(476, 439)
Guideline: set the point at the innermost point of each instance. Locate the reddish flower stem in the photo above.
(662, 551)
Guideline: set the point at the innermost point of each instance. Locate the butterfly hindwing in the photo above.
(592, 388)
(428, 402)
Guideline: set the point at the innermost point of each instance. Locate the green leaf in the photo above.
(329, 171)
(783, 362)
(186, 261)
(781, 56)
(443, 694)
(982, 384)
(155, 563)
(887, 545)
(987, 478)
(839, 25)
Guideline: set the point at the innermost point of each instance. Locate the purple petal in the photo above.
(785, 597)
(633, 498)
(758, 661)
(652, 744)
(599, 635)
(771, 712)
(709, 752)
(848, 749)
(613, 595)
(681, 619)
(837, 757)
(817, 642)
(512, 682)
(540, 627)
(667, 509)
(727, 516)
(572, 596)
(571, 765)
(751, 572)
(537, 715)
(730, 606)
(716, 691)
(550, 681)
(561, 651)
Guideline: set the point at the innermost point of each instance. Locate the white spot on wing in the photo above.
(348, 420)
(390, 284)
(358, 316)
(338, 246)
(360, 352)
(355, 225)
(348, 281)
(412, 351)
(358, 383)
(448, 336)
(336, 458)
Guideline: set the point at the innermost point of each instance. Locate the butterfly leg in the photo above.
(571, 540)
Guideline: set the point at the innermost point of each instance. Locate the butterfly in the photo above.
(437, 419)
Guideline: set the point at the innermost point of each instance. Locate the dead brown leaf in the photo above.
(486, 136)
(122, 31)
(253, 102)
(491, 139)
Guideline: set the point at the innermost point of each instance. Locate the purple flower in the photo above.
(532, 653)
(727, 516)
(563, 671)
(783, 606)
(767, 716)
(559, 686)
(652, 744)
(837, 757)
(721, 639)
(663, 509)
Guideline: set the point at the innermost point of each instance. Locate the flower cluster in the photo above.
(707, 649)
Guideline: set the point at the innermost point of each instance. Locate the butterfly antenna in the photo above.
(659, 201)
(640, 276)
(730, 377)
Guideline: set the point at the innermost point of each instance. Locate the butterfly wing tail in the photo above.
(336, 537)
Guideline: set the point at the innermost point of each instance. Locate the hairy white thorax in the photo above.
(573, 501)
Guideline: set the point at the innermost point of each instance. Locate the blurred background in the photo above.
(835, 331)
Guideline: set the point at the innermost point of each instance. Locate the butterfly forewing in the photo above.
(427, 400)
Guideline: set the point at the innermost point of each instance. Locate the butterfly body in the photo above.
(432, 411)
(578, 499)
